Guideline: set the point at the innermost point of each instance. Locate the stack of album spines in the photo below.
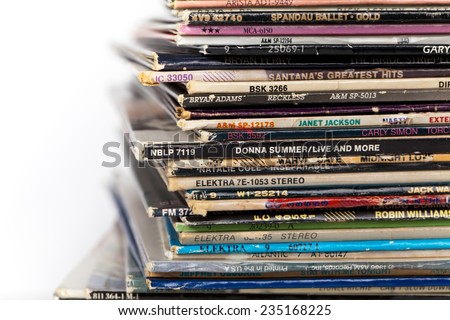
(362, 187)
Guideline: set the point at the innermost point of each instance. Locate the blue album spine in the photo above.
(326, 246)
(299, 283)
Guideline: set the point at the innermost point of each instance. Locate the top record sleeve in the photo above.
(244, 4)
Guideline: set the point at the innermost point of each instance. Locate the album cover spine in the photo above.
(340, 8)
(318, 219)
(154, 77)
(322, 269)
(425, 189)
(358, 284)
(312, 246)
(315, 30)
(187, 62)
(344, 16)
(311, 168)
(342, 121)
(195, 87)
(299, 98)
(293, 262)
(190, 238)
(326, 110)
(202, 207)
(280, 134)
(297, 148)
(327, 50)
(304, 225)
(256, 40)
(307, 180)
(245, 162)
(227, 4)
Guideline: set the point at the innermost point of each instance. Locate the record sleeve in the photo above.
(202, 207)
(340, 121)
(317, 30)
(205, 4)
(196, 87)
(161, 61)
(294, 148)
(343, 16)
(300, 98)
(327, 50)
(359, 8)
(315, 219)
(326, 110)
(151, 78)
(315, 192)
(307, 180)
(336, 219)
(189, 238)
(256, 40)
(421, 282)
(286, 134)
(307, 168)
(319, 161)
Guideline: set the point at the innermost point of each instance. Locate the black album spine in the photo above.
(316, 17)
(229, 100)
(327, 50)
(295, 148)
(185, 62)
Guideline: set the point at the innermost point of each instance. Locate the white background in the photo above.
(56, 71)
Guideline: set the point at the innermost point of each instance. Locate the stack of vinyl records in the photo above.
(289, 147)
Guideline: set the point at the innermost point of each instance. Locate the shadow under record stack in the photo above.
(295, 149)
